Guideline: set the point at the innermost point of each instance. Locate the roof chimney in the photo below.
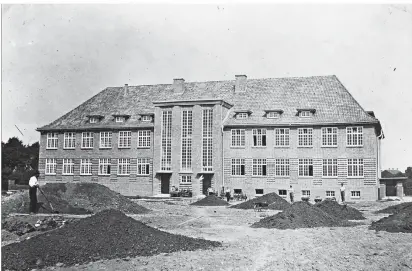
(178, 85)
(126, 89)
(240, 85)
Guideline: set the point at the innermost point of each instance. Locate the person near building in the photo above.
(291, 194)
(227, 194)
(342, 192)
(33, 185)
(210, 191)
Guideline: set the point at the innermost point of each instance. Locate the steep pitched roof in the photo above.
(332, 102)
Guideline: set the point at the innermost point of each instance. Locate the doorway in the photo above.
(207, 182)
(165, 183)
(390, 188)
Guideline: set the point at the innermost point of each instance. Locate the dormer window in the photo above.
(272, 115)
(119, 119)
(146, 118)
(93, 120)
(242, 116)
(306, 113)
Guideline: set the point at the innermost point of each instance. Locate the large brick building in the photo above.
(256, 136)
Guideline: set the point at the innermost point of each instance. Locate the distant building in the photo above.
(254, 136)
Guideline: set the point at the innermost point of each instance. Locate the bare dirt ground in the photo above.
(245, 248)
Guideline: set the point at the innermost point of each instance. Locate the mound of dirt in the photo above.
(108, 234)
(394, 209)
(341, 211)
(301, 215)
(398, 222)
(210, 201)
(8, 236)
(275, 202)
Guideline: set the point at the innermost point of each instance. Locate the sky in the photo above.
(55, 57)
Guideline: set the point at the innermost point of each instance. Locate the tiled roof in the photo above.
(332, 102)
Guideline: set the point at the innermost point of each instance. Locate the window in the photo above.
(69, 140)
(143, 166)
(305, 167)
(207, 139)
(238, 167)
(93, 120)
(354, 136)
(330, 194)
(355, 167)
(305, 137)
(68, 167)
(186, 155)
(237, 191)
(329, 137)
(87, 140)
(305, 114)
(143, 138)
(105, 140)
(52, 141)
(119, 119)
(50, 166)
(282, 192)
(259, 167)
(185, 179)
(282, 167)
(259, 191)
(166, 155)
(282, 137)
(306, 193)
(123, 166)
(85, 166)
(330, 167)
(259, 137)
(355, 194)
(238, 137)
(104, 166)
(125, 139)
(146, 118)
(272, 115)
(242, 115)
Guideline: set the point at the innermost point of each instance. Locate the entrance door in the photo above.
(390, 188)
(165, 183)
(207, 182)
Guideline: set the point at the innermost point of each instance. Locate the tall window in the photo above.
(123, 166)
(282, 167)
(207, 139)
(105, 140)
(305, 137)
(186, 159)
(238, 167)
(305, 167)
(104, 166)
(52, 141)
(87, 140)
(259, 137)
(125, 139)
(69, 140)
(50, 166)
(354, 136)
(68, 167)
(355, 167)
(143, 138)
(238, 137)
(166, 155)
(259, 167)
(143, 166)
(85, 166)
(282, 137)
(329, 136)
(330, 167)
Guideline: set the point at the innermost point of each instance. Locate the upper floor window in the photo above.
(305, 113)
(272, 115)
(282, 167)
(105, 140)
(125, 139)
(238, 167)
(68, 167)
(143, 138)
(259, 137)
(119, 119)
(354, 136)
(259, 167)
(123, 166)
(238, 137)
(104, 166)
(355, 167)
(329, 136)
(305, 137)
(69, 140)
(330, 167)
(52, 141)
(305, 167)
(93, 119)
(282, 137)
(143, 166)
(146, 118)
(86, 166)
(87, 140)
(242, 115)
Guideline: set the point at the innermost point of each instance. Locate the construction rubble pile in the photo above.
(395, 208)
(342, 211)
(274, 201)
(211, 200)
(21, 225)
(399, 221)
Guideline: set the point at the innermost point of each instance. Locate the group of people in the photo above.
(342, 193)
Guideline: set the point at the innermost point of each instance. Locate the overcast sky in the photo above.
(54, 57)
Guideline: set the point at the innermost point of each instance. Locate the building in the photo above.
(254, 136)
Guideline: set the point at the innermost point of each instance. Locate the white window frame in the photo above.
(304, 167)
(305, 137)
(305, 114)
(259, 167)
(143, 166)
(186, 141)
(329, 136)
(207, 139)
(242, 115)
(259, 134)
(237, 164)
(125, 140)
(68, 166)
(123, 166)
(330, 194)
(106, 140)
(282, 137)
(355, 194)
(282, 167)
(354, 136)
(69, 141)
(52, 141)
(87, 140)
(50, 166)
(93, 120)
(329, 168)
(143, 138)
(272, 115)
(146, 118)
(119, 119)
(105, 166)
(166, 143)
(356, 168)
(85, 166)
(238, 138)
(256, 193)
(284, 193)
(306, 193)
(186, 179)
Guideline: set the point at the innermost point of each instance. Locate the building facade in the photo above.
(254, 136)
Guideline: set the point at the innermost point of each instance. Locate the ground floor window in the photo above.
(186, 179)
(282, 192)
(86, 166)
(305, 193)
(259, 191)
(50, 166)
(68, 167)
(123, 167)
(238, 167)
(104, 166)
(330, 194)
(143, 166)
(355, 194)
(237, 191)
(305, 167)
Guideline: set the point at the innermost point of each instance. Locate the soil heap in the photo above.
(395, 208)
(398, 222)
(108, 234)
(301, 215)
(274, 200)
(341, 211)
(211, 200)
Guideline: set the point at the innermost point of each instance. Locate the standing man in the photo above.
(342, 193)
(227, 194)
(291, 193)
(34, 184)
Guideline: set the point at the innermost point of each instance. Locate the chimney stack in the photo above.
(126, 89)
(178, 85)
(240, 85)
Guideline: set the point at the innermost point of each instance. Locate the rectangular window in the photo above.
(123, 166)
(306, 193)
(50, 166)
(187, 126)
(305, 137)
(355, 167)
(143, 138)
(146, 118)
(93, 120)
(143, 166)
(259, 191)
(242, 115)
(329, 137)
(69, 140)
(282, 137)
(238, 137)
(104, 166)
(185, 179)
(282, 167)
(85, 166)
(259, 137)
(305, 167)
(305, 114)
(87, 140)
(52, 141)
(105, 140)
(355, 194)
(119, 119)
(354, 136)
(207, 139)
(272, 115)
(282, 192)
(125, 139)
(330, 167)
(330, 194)
(68, 167)
(166, 155)
(259, 167)
(238, 167)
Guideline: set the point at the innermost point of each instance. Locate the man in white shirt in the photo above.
(33, 184)
(342, 192)
(291, 194)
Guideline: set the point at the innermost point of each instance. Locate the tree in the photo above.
(408, 183)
